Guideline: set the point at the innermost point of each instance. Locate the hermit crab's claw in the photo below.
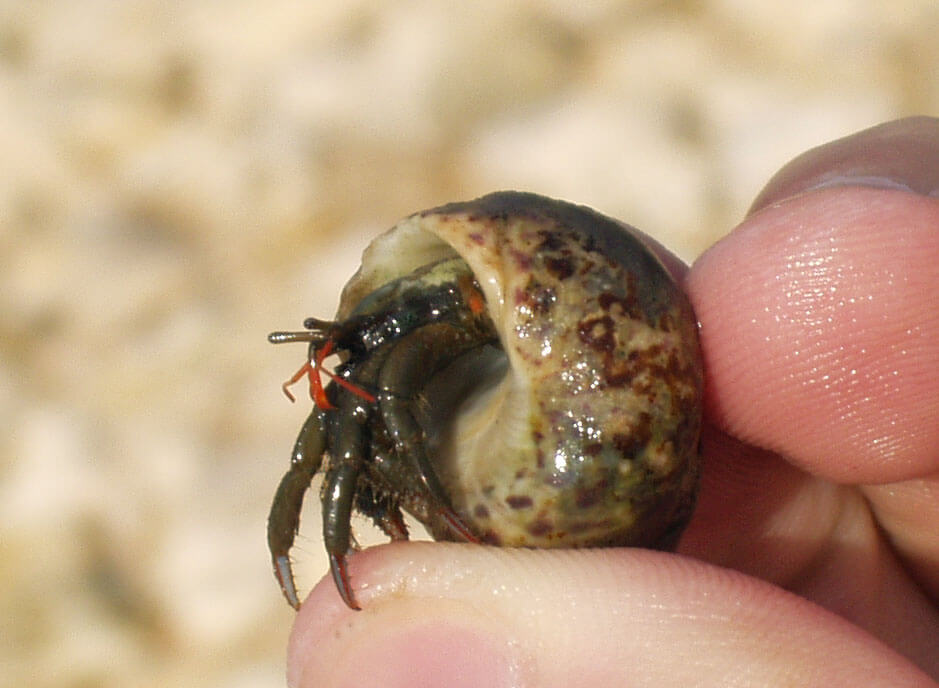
(457, 526)
(284, 519)
(283, 571)
(337, 566)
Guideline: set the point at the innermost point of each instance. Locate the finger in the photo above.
(819, 328)
(901, 155)
(908, 513)
(455, 615)
(760, 515)
(836, 347)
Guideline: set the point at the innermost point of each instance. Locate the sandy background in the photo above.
(179, 178)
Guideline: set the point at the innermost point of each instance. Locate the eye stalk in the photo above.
(321, 346)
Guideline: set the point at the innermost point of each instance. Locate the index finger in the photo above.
(818, 313)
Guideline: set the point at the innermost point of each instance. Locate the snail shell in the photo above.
(582, 429)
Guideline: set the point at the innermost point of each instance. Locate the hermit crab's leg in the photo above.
(284, 519)
(412, 362)
(347, 453)
(319, 350)
(384, 510)
(338, 498)
(316, 332)
(318, 336)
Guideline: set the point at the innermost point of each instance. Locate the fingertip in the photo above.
(900, 155)
(401, 637)
(322, 610)
(464, 615)
(818, 328)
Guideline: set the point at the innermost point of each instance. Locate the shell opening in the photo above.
(582, 428)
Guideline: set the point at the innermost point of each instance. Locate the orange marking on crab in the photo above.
(296, 376)
(477, 303)
(317, 392)
(312, 369)
(472, 295)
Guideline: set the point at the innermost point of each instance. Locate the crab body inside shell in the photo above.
(515, 370)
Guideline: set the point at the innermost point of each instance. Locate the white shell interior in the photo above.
(492, 422)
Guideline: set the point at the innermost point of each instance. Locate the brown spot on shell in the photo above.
(491, 537)
(607, 299)
(590, 496)
(597, 333)
(539, 298)
(586, 267)
(621, 372)
(550, 241)
(480, 511)
(540, 528)
(628, 445)
(620, 305)
(562, 268)
(519, 501)
(522, 260)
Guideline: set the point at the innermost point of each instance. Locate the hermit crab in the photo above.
(514, 370)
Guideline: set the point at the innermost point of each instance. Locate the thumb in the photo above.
(457, 615)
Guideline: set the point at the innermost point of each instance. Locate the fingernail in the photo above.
(872, 181)
(899, 156)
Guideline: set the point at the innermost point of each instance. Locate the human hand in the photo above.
(813, 556)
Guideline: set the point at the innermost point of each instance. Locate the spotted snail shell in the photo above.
(581, 428)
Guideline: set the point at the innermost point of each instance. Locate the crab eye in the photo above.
(516, 370)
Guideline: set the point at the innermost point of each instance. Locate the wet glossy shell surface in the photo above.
(590, 436)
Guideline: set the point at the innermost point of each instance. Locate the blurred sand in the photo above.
(179, 178)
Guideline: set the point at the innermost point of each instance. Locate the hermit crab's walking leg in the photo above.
(383, 509)
(284, 519)
(347, 454)
(415, 358)
(338, 498)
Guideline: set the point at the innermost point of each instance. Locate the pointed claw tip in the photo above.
(337, 565)
(284, 573)
(458, 526)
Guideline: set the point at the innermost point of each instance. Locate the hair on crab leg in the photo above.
(347, 451)
(283, 571)
(347, 454)
(338, 497)
(284, 519)
(384, 510)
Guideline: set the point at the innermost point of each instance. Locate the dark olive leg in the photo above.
(416, 357)
(347, 453)
(284, 519)
(383, 509)
(338, 496)
(392, 524)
